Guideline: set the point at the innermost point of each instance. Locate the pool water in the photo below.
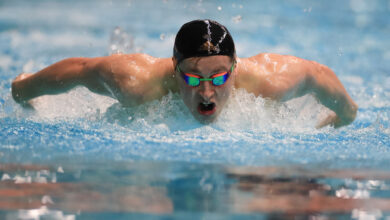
(83, 156)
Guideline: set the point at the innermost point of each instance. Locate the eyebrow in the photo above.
(217, 70)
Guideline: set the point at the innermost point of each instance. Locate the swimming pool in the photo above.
(83, 156)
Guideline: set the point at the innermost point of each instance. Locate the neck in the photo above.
(166, 68)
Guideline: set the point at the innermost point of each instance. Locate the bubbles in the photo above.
(162, 36)
(164, 126)
(121, 42)
(359, 6)
(28, 67)
(244, 111)
(237, 19)
(340, 51)
(5, 177)
(41, 213)
(307, 10)
(5, 62)
(366, 214)
(47, 200)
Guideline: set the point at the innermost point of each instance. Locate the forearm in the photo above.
(55, 79)
(330, 92)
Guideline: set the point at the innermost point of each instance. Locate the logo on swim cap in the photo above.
(209, 47)
(203, 38)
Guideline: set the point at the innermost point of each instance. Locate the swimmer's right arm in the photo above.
(58, 78)
(281, 77)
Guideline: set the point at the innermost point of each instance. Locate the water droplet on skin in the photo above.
(267, 59)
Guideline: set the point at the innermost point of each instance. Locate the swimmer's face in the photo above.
(206, 100)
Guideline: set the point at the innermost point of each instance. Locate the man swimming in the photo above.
(204, 69)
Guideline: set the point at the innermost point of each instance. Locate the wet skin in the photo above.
(206, 100)
(134, 79)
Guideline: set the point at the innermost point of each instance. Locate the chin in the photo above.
(206, 119)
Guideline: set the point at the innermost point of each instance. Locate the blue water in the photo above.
(82, 138)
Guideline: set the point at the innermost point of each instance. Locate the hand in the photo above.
(332, 119)
(335, 121)
(16, 87)
(21, 77)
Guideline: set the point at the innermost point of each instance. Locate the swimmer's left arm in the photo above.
(282, 78)
(328, 90)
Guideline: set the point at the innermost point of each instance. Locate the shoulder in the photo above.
(265, 73)
(267, 64)
(275, 60)
(123, 65)
(136, 77)
(138, 59)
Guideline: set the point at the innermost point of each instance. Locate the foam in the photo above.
(243, 111)
(5, 62)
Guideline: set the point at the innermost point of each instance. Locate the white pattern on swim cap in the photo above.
(222, 38)
(208, 35)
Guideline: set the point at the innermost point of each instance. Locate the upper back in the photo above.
(136, 78)
(265, 74)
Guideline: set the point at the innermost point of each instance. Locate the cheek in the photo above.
(187, 93)
(224, 91)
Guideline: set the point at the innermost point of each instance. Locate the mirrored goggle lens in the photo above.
(220, 80)
(192, 81)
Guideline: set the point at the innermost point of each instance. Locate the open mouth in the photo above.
(206, 108)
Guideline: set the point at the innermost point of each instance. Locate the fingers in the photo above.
(22, 76)
(331, 120)
(18, 87)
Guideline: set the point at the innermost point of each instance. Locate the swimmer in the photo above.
(204, 69)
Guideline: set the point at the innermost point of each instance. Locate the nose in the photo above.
(206, 90)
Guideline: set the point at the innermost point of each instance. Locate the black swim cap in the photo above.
(201, 38)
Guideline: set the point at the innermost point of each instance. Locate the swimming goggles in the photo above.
(217, 79)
